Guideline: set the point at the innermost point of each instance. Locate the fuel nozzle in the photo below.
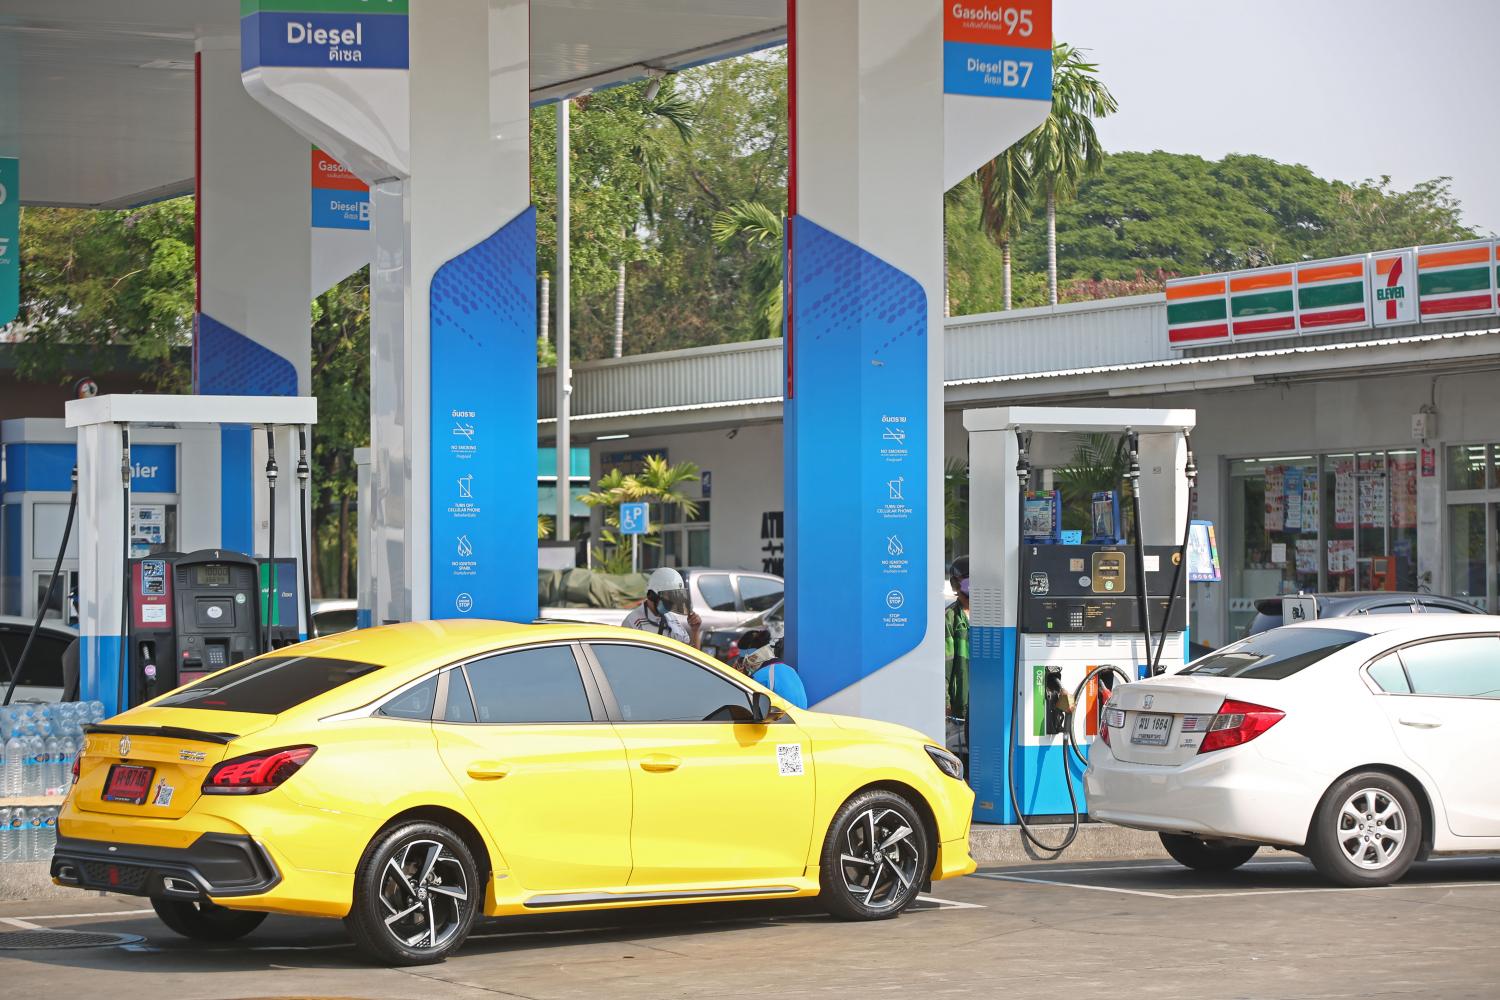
(304, 470)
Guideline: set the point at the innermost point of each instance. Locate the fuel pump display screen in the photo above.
(213, 575)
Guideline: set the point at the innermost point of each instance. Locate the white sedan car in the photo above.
(1365, 743)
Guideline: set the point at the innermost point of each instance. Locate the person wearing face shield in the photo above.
(956, 660)
(667, 609)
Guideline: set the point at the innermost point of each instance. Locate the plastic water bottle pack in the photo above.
(27, 834)
(38, 744)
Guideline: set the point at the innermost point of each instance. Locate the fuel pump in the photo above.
(1056, 624)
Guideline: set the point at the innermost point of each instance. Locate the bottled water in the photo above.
(96, 711)
(52, 770)
(67, 753)
(32, 765)
(14, 753)
(25, 836)
(7, 842)
(45, 836)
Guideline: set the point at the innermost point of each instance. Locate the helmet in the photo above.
(667, 584)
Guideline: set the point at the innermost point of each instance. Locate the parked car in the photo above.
(722, 598)
(43, 678)
(356, 777)
(1365, 742)
(1364, 602)
(331, 615)
(729, 644)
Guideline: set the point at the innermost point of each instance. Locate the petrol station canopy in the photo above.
(101, 105)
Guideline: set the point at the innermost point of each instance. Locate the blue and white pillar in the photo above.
(430, 107)
(888, 111)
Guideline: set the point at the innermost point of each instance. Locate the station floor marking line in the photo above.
(952, 904)
(25, 925)
(1236, 892)
(80, 916)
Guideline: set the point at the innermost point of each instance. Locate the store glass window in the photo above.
(1275, 512)
(1467, 467)
(1467, 565)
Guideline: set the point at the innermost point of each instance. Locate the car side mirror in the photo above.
(763, 709)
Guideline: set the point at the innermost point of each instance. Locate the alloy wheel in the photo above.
(880, 858)
(1371, 828)
(425, 894)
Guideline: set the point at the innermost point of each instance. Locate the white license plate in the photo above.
(1151, 730)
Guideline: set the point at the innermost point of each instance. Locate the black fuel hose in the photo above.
(272, 584)
(1190, 472)
(1070, 739)
(304, 512)
(1023, 475)
(41, 608)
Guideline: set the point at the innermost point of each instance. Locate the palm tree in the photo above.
(760, 226)
(1065, 149)
(1006, 186)
(656, 483)
(659, 101)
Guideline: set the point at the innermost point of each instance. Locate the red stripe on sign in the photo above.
(1273, 324)
(1333, 317)
(1463, 303)
(1215, 332)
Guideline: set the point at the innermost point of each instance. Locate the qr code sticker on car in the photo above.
(789, 759)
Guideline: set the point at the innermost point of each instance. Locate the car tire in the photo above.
(1367, 831)
(425, 873)
(875, 858)
(202, 920)
(1206, 856)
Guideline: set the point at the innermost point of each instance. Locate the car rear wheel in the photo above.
(1206, 856)
(875, 858)
(416, 895)
(202, 920)
(1367, 830)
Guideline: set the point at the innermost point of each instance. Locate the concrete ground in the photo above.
(1128, 929)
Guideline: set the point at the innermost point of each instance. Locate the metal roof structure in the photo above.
(96, 96)
(1105, 349)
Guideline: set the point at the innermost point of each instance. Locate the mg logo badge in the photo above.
(124, 746)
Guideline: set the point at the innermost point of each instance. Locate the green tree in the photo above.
(341, 382)
(92, 279)
(659, 484)
(1006, 187)
(760, 228)
(1065, 148)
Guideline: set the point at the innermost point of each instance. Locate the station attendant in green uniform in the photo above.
(956, 657)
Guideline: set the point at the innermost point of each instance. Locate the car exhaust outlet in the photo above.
(68, 875)
(179, 887)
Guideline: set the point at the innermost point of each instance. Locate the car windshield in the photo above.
(1275, 654)
(267, 686)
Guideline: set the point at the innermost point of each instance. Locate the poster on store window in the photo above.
(1275, 498)
(1310, 505)
(1372, 501)
(1293, 515)
(1307, 555)
(1345, 494)
(1403, 491)
(1341, 556)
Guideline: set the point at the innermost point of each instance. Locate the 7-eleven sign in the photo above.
(1393, 280)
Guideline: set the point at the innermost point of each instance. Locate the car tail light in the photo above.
(257, 772)
(1113, 718)
(1238, 722)
(77, 766)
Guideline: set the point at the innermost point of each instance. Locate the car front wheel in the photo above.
(202, 920)
(1367, 830)
(416, 895)
(875, 858)
(1206, 856)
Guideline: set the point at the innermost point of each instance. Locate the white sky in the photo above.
(1350, 88)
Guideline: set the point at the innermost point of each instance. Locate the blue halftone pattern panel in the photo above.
(483, 309)
(231, 364)
(856, 462)
(992, 699)
(236, 488)
(100, 677)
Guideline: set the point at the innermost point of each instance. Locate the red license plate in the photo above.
(128, 783)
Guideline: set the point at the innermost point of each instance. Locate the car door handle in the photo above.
(660, 762)
(488, 770)
(1420, 721)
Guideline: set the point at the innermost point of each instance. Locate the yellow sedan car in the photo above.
(412, 777)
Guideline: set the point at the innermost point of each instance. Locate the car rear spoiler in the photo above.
(170, 732)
